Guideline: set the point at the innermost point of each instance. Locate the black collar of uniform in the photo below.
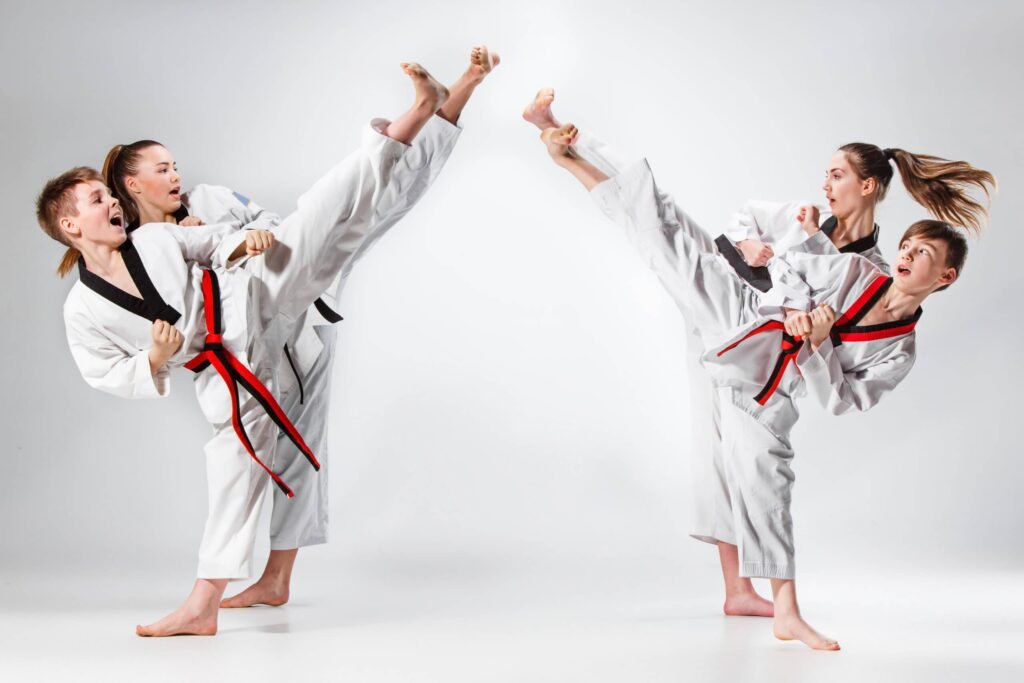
(179, 215)
(852, 324)
(857, 246)
(151, 306)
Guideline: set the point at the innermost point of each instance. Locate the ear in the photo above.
(947, 278)
(69, 227)
(868, 186)
(132, 184)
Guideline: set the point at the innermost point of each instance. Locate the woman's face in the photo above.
(846, 192)
(157, 184)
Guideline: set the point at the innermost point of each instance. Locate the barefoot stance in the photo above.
(748, 605)
(429, 92)
(539, 113)
(181, 622)
(795, 628)
(260, 593)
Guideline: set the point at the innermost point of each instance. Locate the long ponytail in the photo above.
(940, 185)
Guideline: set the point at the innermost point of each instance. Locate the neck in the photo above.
(150, 214)
(102, 259)
(856, 226)
(900, 304)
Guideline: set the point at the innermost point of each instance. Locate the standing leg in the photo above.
(300, 521)
(789, 624)
(237, 488)
(758, 467)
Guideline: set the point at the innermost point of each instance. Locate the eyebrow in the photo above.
(162, 163)
(834, 170)
(95, 194)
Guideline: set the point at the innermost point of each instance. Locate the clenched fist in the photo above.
(822, 320)
(258, 241)
(755, 253)
(166, 342)
(808, 218)
(191, 221)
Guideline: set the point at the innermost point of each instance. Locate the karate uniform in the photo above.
(304, 378)
(776, 224)
(751, 360)
(261, 300)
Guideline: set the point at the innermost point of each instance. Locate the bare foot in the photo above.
(559, 139)
(430, 93)
(795, 628)
(482, 62)
(539, 112)
(262, 592)
(748, 605)
(181, 622)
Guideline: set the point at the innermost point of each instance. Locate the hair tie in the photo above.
(888, 153)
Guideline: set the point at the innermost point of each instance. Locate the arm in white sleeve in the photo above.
(107, 367)
(208, 245)
(841, 392)
(768, 222)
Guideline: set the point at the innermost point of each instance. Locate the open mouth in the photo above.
(176, 193)
(118, 221)
(902, 270)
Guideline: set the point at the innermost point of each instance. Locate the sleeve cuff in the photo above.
(814, 362)
(148, 384)
(227, 247)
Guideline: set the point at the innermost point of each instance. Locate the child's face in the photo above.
(99, 219)
(846, 193)
(157, 183)
(921, 266)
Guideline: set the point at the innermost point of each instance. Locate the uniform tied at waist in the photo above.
(235, 374)
(790, 347)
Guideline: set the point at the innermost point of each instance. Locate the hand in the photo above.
(822, 320)
(798, 323)
(258, 241)
(755, 253)
(166, 342)
(191, 221)
(808, 218)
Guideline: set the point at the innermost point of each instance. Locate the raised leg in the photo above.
(481, 62)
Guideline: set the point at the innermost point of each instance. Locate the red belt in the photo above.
(844, 329)
(234, 373)
(790, 346)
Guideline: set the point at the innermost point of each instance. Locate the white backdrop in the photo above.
(511, 391)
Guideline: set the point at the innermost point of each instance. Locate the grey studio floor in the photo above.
(563, 624)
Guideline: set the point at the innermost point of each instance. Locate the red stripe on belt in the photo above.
(234, 373)
(790, 346)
